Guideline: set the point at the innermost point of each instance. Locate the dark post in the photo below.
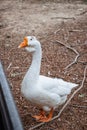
(9, 117)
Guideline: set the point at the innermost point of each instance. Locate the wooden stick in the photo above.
(63, 18)
(74, 50)
(9, 66)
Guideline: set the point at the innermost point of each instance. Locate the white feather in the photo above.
(43, 91)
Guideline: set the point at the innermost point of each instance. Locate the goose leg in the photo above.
(47, 118)
(41, 115)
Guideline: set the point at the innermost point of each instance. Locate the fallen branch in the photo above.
(74, 50)
(82, 84)
(63, 18)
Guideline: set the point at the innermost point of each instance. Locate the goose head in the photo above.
(30, 43)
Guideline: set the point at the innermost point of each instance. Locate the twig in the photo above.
(74, 50)
(76, 30)
(57, 31)
(32, 128)
(74, 105)
(15, 67)
(36, 126)
(63, 18)
(9, 66)
(16, 74)
(84, 12)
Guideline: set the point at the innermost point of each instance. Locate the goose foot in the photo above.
(40, 116)
(47, 118)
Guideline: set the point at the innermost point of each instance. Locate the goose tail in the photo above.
(72, 85)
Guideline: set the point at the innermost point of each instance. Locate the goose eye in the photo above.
(31, 39)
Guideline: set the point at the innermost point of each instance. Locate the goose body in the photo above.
(47, 93)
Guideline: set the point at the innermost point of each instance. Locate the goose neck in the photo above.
(34, 69)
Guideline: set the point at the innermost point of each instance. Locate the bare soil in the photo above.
(49, 21)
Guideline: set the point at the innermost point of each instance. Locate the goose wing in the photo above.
(55, 85)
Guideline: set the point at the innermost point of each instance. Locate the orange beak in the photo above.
(24, 43)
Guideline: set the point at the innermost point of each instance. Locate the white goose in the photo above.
(47, 93)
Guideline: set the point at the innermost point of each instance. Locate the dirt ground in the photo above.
(49, 21)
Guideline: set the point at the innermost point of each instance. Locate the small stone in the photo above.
(8, 36)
